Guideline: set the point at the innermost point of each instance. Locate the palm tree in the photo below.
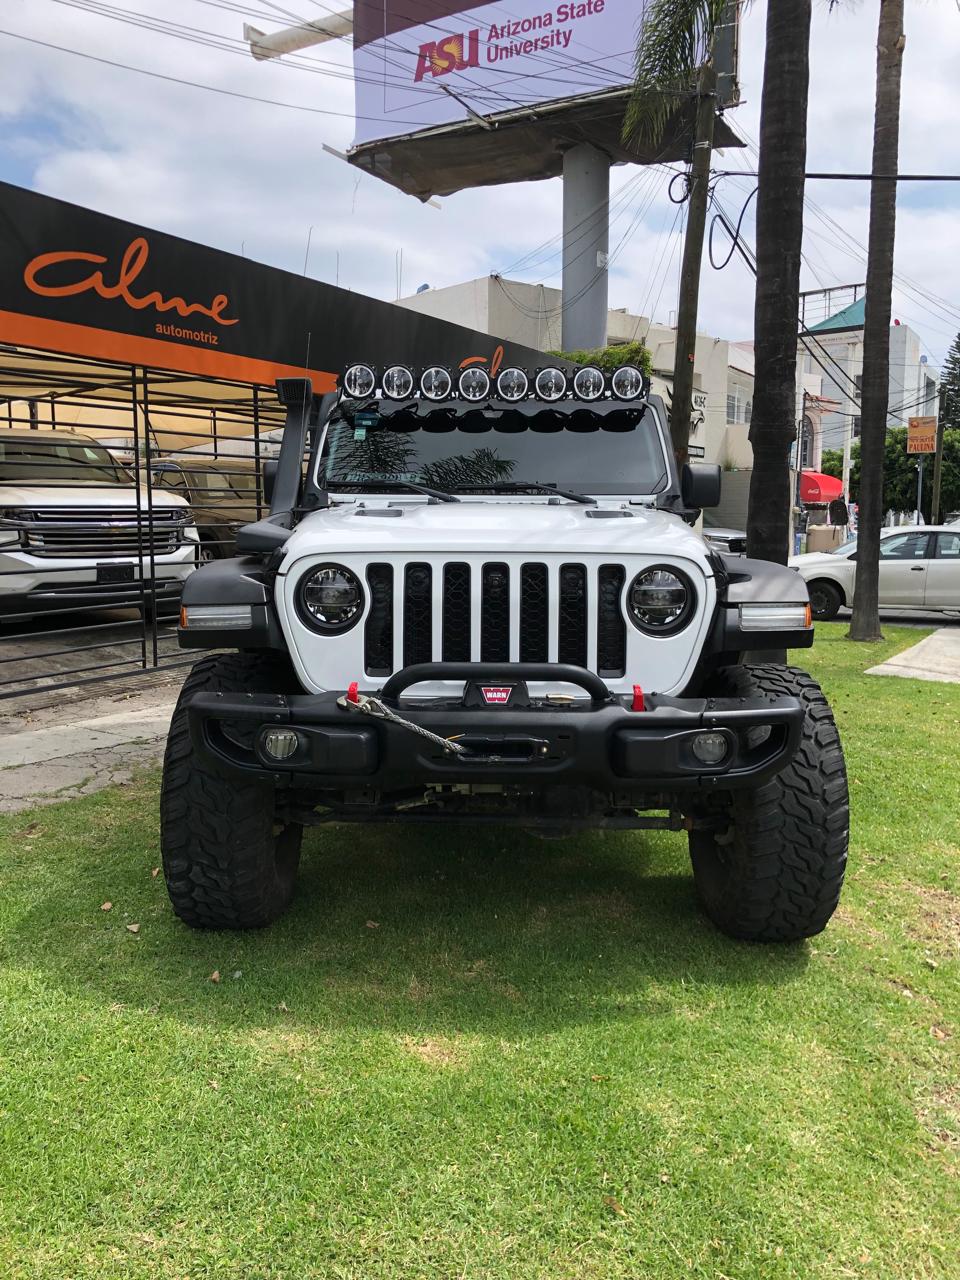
(674, 58)
(783, 154)
(865, 624)
(675, 36)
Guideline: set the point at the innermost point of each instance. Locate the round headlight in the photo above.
(435, 383)
(589, 383)
(512, 384)
(397, 382)
(359, 381)
(474, 383)
(551, 383)
(330, 598)
(627, 383)
(661, 600)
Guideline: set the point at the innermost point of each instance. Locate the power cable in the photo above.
(193, 84)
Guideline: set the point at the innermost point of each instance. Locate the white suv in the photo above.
(76, 530)
(486, 603)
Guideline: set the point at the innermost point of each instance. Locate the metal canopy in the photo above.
(522, 145)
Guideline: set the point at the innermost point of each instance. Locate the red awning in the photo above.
(816, 487)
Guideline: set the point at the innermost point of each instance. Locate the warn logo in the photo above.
(496, 694)
(452, 53)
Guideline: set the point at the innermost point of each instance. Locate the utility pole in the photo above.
(699, 193)
(865, 623)
(938, 456)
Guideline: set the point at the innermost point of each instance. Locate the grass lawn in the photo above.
(476, 1054)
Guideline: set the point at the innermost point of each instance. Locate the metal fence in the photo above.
(116, 482)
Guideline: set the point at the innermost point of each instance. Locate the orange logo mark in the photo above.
(495, 362)
(131, 265)
(439, 57)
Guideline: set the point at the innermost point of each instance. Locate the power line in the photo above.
(194, 84)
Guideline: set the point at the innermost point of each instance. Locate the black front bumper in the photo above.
(602, 744)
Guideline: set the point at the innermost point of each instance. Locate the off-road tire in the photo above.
(226, 861)
(775, 875)
(825, 599)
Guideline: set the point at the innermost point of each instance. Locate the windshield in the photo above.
(52, 462)
(845, 547)
(619, 452)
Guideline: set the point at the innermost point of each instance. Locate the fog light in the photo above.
(280, 744)
(709, 748)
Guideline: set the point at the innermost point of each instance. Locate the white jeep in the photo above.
(77, 531)
(486, 603)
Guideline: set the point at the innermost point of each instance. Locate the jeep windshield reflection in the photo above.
(477, 450)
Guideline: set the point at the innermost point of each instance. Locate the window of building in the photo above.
(856, 427)
(858, 379)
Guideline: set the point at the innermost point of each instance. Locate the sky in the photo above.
(253, 178)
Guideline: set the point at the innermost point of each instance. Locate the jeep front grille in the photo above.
(93, 533)
(455, 612)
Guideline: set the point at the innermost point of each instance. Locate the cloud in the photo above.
(254, 178)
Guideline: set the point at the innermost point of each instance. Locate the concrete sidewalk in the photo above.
(936, 657)
(58, 754)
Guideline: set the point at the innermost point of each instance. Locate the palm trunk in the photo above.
(876, 328)
(783, 154)
(687, 304)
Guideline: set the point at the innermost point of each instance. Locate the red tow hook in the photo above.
(638, 703)
(353, 691)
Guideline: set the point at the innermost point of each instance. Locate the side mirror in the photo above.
(269, 479)
(700, 485)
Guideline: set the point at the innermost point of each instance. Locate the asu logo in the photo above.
(452, 53)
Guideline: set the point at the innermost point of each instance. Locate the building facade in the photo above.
(531, 313)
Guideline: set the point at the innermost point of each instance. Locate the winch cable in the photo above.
(367, 705)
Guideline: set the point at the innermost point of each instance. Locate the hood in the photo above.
(814, 557)
(99, 496)
(493, 527)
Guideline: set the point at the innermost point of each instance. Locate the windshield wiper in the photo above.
(524, 486)
(438, 495)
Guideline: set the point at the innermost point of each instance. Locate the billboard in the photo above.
(419, 64)
(82, 283)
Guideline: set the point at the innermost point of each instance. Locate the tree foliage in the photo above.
(610, 358)
(900, 472)
(676, 37)
(950, 382)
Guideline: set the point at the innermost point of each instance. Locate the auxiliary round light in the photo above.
(661, 600)
(280, 744)
(359, 381)
(474, 383)
(397, 382)
(512, 384)
(435, 383)
(330, 598)
(589, 383)
(710, 748)
(627, 383)
(551, 383)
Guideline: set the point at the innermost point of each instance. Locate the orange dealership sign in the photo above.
(922, 435)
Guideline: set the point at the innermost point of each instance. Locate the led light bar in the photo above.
(627, 383)
(774, 617)
(435, 383)
(550, 383)
(397, 382)
(216, 617)
(589, 383)
(474, 383)
(359, 381)
(512, 384)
